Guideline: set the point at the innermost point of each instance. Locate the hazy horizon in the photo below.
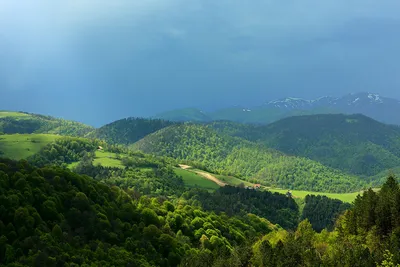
(97, 61)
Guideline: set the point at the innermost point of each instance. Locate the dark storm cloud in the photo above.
(100, 60)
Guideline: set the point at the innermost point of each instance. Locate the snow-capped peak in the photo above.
(353, 99)
(375, 97)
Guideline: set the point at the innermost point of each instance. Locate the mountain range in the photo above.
(378, 107)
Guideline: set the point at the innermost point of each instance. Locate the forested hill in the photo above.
(54, 217)
(201, 146)
(352, 143)
(129, 130)
(26, 123)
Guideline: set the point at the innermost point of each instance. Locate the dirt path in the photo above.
(185, 167)
(210, 177)
(203, 174)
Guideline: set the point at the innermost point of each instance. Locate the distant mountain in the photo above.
(352, 143)
(27, 123)
(187, 114)
(203, 147)
(375, 106)
(128, 131)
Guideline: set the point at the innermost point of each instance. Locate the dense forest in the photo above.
(203, 147)
(53, 217)
(322, 212)
(366, 235)
(129, 130)
(352, 143)
(64, 151)
(277, 208)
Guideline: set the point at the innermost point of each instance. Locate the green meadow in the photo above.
(107, 159)
(192, 180)
(345, 197)
(4, 114)
(22, 146)
(232, 180)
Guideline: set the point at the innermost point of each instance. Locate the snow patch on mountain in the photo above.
(349, 100)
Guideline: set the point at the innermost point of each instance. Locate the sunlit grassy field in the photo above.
(22, 146)
(107, 159)
(4, 114)
(232, 180)
(345, 197)
(192, 180)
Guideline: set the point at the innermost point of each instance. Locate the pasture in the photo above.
(193, 180)
(22, 146)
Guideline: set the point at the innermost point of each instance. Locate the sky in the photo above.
(96, 61)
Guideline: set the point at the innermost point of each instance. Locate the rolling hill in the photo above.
(128, 131)
(26, 123)
(203, 147)
(22, 146)
(352, 143)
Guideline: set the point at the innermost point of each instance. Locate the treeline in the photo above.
(223, 154)
(65, 150)
(352, 143)
(366, 235)
(53, 217)
(277, 208)
(148, 176)
(322, 212)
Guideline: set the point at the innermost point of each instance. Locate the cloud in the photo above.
(233, 50)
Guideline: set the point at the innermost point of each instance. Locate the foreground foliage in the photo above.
(366, 235)
(53, 217)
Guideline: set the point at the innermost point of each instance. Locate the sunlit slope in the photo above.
(193, 180)
(26, 123)
(352, 143)
(22, 146)
(234, 156)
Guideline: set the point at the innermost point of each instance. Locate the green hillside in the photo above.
(26, 123)
(193, 180)
(129, 130)
(54, 217)
(222, 154)
(22, 146)
(352, 143)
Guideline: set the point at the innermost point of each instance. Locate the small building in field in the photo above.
(289, 193)
(257, 186)
(99, 148)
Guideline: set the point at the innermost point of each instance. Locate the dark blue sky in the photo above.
(96, 61)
